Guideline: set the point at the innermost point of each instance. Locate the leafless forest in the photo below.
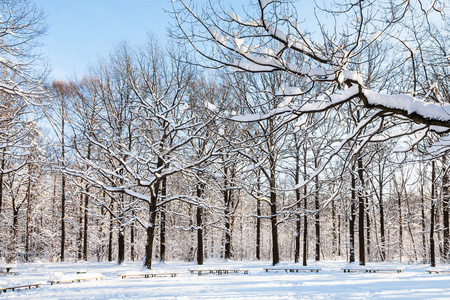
(263, 134)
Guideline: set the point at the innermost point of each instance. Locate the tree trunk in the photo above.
(227, 235)
(258, 230)
(199, 235)
(352, 215)
(362, 253)
(298, 215)
(63, 216)
(273, 195)
(111, 229)
(132, 239)
(2, 166)
(423, 222)
(121, 244)
(273, 223)
(85, 229)
(151, 228)
(382, 227)
(305, 216)
(121, 236)
(63, 190)
(258, 219)
(335, 228)
(162, 232)
(368, 230)
(432, 214)
(317, 216)
(400, 226)
(27, 235)
(339, 236)
(227, 203)
(86, 205)
(80, 229)
(445, 203)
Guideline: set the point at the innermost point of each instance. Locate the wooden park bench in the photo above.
(218, 272)
(438, 271)
(394, 270)
(74, 280)
(372, 270)
(294, 270)
(6, 270)
(13, 288)
(350, 270)
(148, 275)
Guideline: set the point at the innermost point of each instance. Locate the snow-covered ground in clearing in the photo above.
(330, 283)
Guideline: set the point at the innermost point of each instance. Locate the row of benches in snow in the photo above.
(213, 271)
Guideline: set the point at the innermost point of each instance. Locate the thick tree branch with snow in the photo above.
(272, 40)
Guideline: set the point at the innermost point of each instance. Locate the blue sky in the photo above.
(81, 31)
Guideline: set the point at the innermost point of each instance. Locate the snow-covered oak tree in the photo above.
(382, 76)
(20, 82)
(141, 126)
(20, 25)
(270, 37)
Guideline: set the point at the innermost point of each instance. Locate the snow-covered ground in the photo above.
(330, 283)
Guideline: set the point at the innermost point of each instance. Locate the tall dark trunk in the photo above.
(305, 217)
(298, 215)
(162, 232)
(227, 203)
(27, 235)
(2, 166)
(423, 223)
(85, 229)
(362, 212)
(273, 223)
(258, 219)
(86, 205)
(132, 239)
(432, 214)
(339, 236)
(273, 194)
(151, 229)
(368, 231)
(63, 190)
(121, 236)
(111, 229)
(227, 236)
(400, 226)
(335, 227)
(200, 248)
(199, 235)
(258, 230)
(445, 203)
(352, 215)
(317, 216)
(121, 244)
(63, 217)
(80, 229)
(382, 227)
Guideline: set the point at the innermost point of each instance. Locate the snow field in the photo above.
(330, 283)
